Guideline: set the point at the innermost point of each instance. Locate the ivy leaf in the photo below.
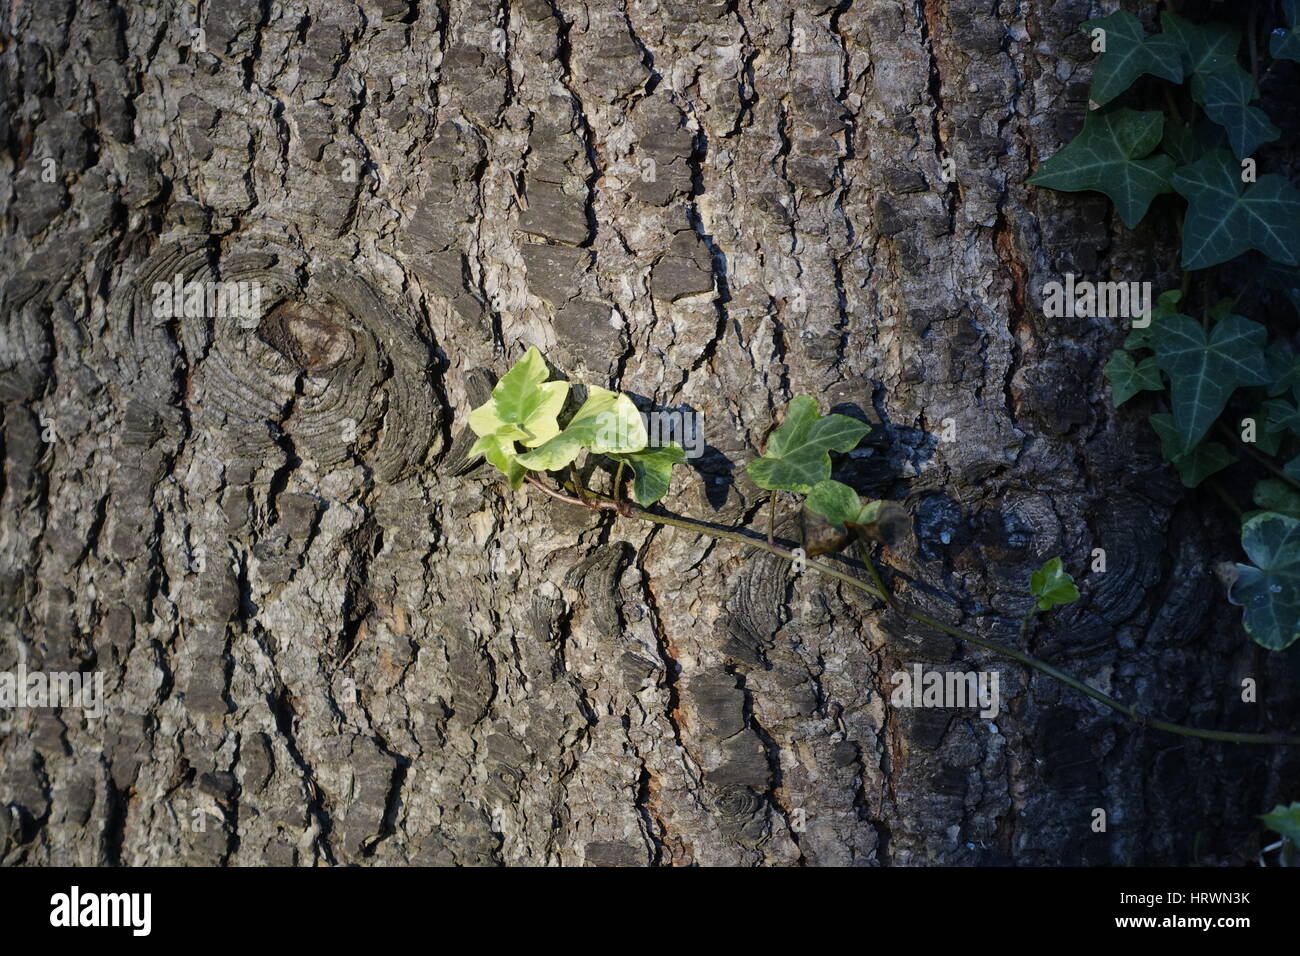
(1052, 586)
(1205, 48)
(501, 454)
(652, 470)
(1269, 589)
(1281, 416)
(1129, 54)
(1283, 279)
(1272, 494)
(1226, 217)
(840, 505)
(1285, 44)
(1165, 307)
(1284, 821)
(1186, 143)
(523, 406)
(1292, 468)
(1127, 377)
(607, 422)
(1204, 370)
(1194, 464)
(1226, 95)
(797, 455)
(1107, 157)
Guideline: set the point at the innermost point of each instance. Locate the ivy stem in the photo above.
(771, 520)
(1266, 462)
(1026, 621)
(864, 548)
(618, 480)
(1130, 711)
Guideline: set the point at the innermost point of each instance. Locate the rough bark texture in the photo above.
(370, 651)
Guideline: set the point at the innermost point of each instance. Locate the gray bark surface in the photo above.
(370, 651)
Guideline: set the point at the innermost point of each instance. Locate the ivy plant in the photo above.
(524, 410)
(520, 433)
(1176, 113)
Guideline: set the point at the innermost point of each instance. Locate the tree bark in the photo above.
(327, 637)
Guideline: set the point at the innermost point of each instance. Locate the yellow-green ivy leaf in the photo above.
(501, 454)
(607, 422)
(524, 406)
(1052, 586)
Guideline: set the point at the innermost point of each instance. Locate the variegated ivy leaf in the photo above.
(1273, 494)
(1204, 370)
(797, 453)
(523, 406)
(1285, 44)
(1269, 589)
(502, 455)
(1226, 217)
(652, 471)
(607, 422)
(1108, 157)
(1129, 54)
(840, 505)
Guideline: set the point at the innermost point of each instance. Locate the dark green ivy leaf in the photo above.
(1226, 95)
(1127, 377)
(1185, 143)
(1129, 54)
(1280, 278)
(1204, 48)
(1107, 157)
(1204, 370)
(1196, 464)
(1166, 305)
(1226, 217)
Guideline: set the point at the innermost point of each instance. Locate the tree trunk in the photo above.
(327, 637)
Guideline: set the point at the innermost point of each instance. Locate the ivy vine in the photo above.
(525, 408)
(1226, 386)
